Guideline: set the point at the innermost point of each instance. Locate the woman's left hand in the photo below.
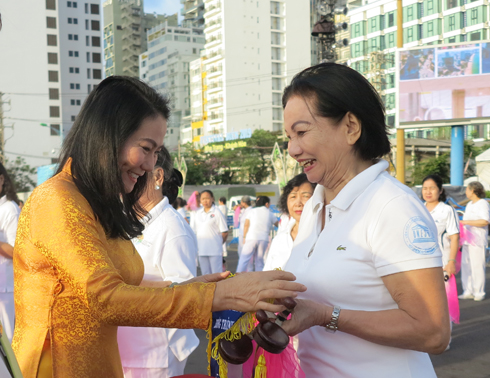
(305, 315)
(450, 268)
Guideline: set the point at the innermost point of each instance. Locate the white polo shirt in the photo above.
(476, 211)
(261, 222)
(447, 224)
(168, 248)
(9, 217)
(374, 227)
(243, 216)
(280, 248)
(208, 228)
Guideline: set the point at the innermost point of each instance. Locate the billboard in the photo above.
(443, 85)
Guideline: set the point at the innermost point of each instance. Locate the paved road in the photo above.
(469, 356)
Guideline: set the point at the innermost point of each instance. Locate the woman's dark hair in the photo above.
(438, 180)
(223, 200)
(477, 188)
(295, 182)
(8, 188)
(172, 178)
(262, 201)
(179, 202)
(110, 115)
(206, 191)
(336, 90)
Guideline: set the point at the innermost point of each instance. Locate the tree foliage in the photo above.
(21, 174)
(436, 165)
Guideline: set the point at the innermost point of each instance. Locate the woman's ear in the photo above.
(354, 128)
(158, 176)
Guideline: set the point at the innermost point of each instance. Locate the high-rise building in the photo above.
(125, 28)
(193, 12)
(252, 50)
(165, 66)
(373, 27)
(55, 60)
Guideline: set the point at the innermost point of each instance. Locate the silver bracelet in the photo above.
(334, 320)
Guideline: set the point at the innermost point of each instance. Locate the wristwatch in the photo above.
(334, 320)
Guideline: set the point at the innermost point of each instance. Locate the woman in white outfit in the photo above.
(293, 198)
(366, 247)
(9, 215)
(475, 219)
(179, 205)
(211, 230)
(168, 248)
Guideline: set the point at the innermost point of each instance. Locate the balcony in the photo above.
(212, 10)
(212, 25)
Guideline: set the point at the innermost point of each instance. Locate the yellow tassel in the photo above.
(209, 336)
(261, 369)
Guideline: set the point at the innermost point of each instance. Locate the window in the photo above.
(86, 8)
(68, 4)
(74, 4)
(74, 86)
(54, 94)
(73, 118)
(452, 22)
(373, 23)
(96, 41)
(96, 57)
(475, 36)
(451, 4)
(74, 70)
(72, 102)
(51, 22)
(89, 88)
(87, 25)
(75, 21)
(474, 16)
(70, 20)
(357, 29)
(410, 34)
(430, 28)
(51, 4)
(88, 73)
(53, 76)
(94, 8)
(75, 53)
(410, 13)
(95, 25)
(391, 40)
(97, 74)
(52, 40)
(430, 5)
(52, 58)
(87, 40)
(54, 111)
(55, 129)
(88, 57)
(73, 37)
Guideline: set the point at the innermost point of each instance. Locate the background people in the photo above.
(258, 225)
(366, 246)
(168, 248)
(211, 230)
(224, 211)
(179, 205)
(246, 205)
(9, 216)
(76, 271)
(475, 220)
(293, 198)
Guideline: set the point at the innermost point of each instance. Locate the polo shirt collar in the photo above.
(155, 212)
(3, 200)
(353, 188)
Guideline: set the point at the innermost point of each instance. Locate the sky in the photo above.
(162, 6)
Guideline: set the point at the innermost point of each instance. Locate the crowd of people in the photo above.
(106, 245)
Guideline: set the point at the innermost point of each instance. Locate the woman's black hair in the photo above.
(179, 202)
(209, 192)
(262, 201)
(8, 188)
(295, 182)
(335, 90)
(110, 115)
(438, 180)
(172, 178)
(477, 188)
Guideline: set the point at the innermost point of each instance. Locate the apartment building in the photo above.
(165, 67)
(125, 28)
(193, 12)
(55, 60)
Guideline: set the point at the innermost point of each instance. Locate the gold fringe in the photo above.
(261, 368)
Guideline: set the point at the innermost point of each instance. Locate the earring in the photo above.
(157, 187)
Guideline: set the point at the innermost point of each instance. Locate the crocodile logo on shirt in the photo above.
(341, 248)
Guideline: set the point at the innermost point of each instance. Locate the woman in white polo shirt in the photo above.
(258, 225)
(366, 247)
(9, 216)
(292, 201)
(476, 219)
(211, 230)
(168, 248)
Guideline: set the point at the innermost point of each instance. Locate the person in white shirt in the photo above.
(211, 230)
(475, 220)
(246, 205)
(168, 248)
(179, 205)
(366, 246)
(258, 225)
(9, 216)
(292, 201)
(224, 211)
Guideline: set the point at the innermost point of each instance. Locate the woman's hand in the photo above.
(208, 278)
(305, 315)
(251, 291)
(450, 268)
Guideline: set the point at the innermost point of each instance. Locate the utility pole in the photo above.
(400, 133)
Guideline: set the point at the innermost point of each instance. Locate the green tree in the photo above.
(21, 174)
(436, 165)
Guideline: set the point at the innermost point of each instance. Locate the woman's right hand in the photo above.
(251, 291)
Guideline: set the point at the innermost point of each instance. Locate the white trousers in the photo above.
(473, 270)
(255, 249)
(7, 313)
(211, 264)
(175, 368)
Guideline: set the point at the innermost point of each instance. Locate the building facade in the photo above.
(250, 55)
(193, 12)
(125, 28)
(56, 60)
(165, 67)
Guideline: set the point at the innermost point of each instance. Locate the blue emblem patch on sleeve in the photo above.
(419, 237)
